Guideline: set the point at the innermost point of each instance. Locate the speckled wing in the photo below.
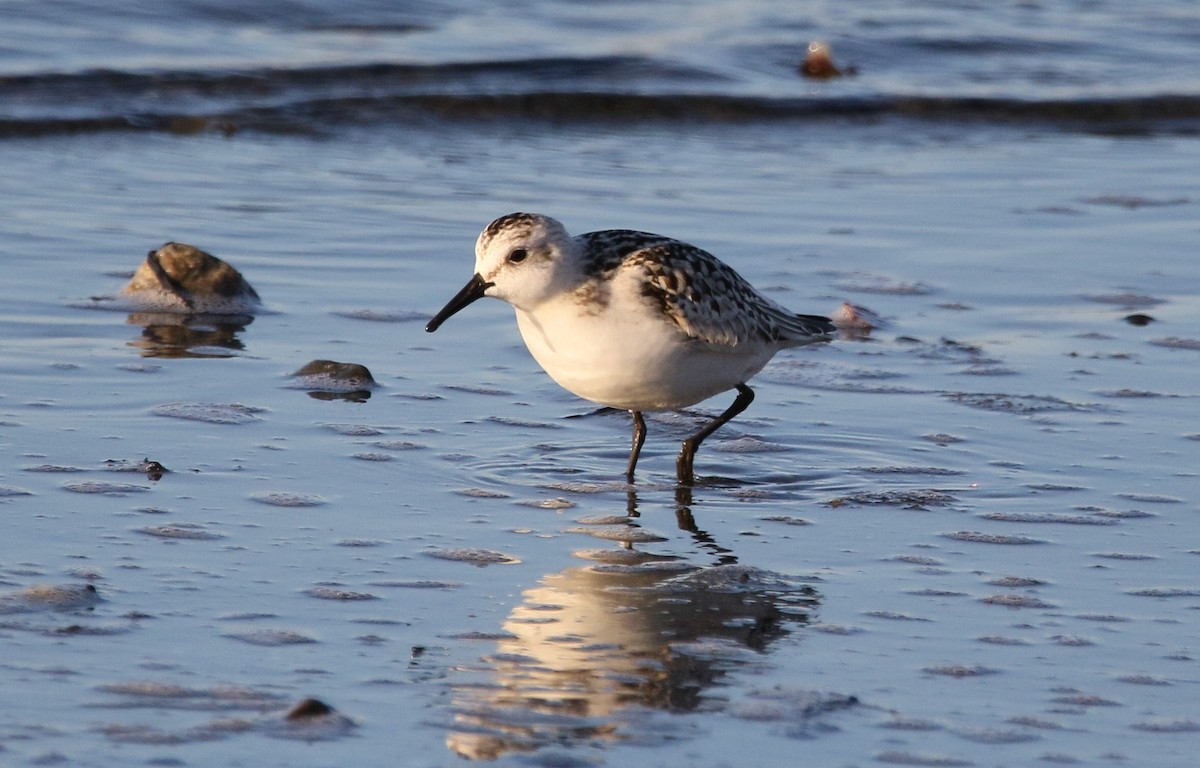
(711, 302)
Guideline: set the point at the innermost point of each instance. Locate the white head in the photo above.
(522, 258)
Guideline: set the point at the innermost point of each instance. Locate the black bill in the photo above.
(473, 290)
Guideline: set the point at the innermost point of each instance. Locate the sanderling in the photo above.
(632, 320)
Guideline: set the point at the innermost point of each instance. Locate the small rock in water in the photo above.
(50, 597)
(152, 469)
(331, 378)
(856, 320)
(818, 63)
(310, 720)
(184, 279)
(309, 708)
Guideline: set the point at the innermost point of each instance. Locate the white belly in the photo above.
(621, 360)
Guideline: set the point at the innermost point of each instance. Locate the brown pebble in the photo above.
(180, 277)
(818, 63)
(154, 470)
(309, 708)
(333, 370)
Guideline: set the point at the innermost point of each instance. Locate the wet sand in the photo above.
(967, 538)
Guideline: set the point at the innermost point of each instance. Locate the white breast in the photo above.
(624, 355)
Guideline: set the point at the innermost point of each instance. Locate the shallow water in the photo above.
(968, 539)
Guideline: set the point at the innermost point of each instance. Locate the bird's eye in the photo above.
(518, 255)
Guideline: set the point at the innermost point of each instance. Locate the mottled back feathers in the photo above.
(704, 297)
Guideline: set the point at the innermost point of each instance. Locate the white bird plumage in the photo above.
(632, 320)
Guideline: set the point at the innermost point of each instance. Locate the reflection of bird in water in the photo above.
(186, 298)
(590, 642)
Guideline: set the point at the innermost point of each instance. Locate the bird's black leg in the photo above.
(639, 437)
(688, 454)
